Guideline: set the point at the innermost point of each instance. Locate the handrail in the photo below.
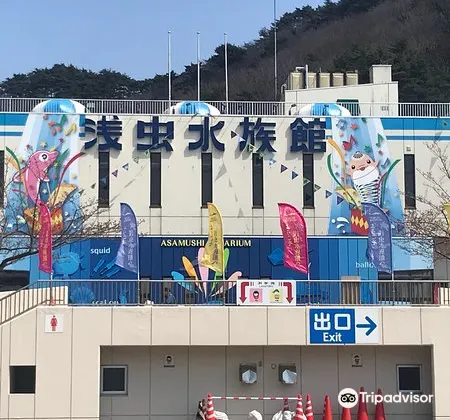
(249, 108)
(25, 299)
(106, 292)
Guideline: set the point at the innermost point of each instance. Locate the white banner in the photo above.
(266, 292)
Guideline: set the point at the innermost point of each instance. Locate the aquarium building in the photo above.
(110, 345)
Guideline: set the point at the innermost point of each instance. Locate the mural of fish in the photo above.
(35, 172)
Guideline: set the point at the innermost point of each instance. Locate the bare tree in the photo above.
(430, 219)
(20, 230)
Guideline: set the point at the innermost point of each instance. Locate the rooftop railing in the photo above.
(250, 108)
(108, 292)
(188, 292)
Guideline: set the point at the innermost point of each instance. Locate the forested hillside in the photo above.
(412, 35)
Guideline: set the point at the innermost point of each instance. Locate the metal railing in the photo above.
(13, 304)
(189, 292)
(250, 108)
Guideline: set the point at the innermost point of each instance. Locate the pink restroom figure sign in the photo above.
(54, 323)
(256, 295)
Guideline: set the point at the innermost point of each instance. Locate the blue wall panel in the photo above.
(330, 258)
(333, 258)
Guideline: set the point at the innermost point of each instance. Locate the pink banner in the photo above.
(295, 239)
(45, 239)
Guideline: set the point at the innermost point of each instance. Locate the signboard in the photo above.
(344, 326)
(153, 133)
(266, 292)
(54, 323)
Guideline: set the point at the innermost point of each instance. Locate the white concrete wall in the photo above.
(173, 393)
(181, 212)
(372, 97)
(68, 363)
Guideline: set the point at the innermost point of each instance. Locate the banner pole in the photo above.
(138, 270)
(51, 289)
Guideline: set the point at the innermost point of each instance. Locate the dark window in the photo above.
(258, 180)
(103, 178)
(351, 104)
(410, 182)
(2, 178)
(155, 179)
(114, 380)
(22, 379)
(409, 378)
(207, 180)
(308, 174)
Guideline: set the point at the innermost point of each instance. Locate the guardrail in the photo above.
(189, 292)
(250, 108)
(13, 304)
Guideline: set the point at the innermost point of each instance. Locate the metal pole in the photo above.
(198, 66)
(275, 47)
(306, 76)
(52, 302)
(169, 65)
(225, 43)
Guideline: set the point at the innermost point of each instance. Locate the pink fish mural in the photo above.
(35, 172)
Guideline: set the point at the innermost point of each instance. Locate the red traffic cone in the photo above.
(362, 407)
(286, 405)
(309, 413)
(346, 414)
(327, 414)
(210, 415)
(379, 408)
(299, 415)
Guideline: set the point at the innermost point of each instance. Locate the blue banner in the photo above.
(379, 250)
(128, 253)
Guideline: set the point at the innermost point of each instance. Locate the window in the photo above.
(207, 181)
(155, 179)
(409, 378)
(308, 173)
(22, 379)
(351, 104)
(258, 181)
(2, 178)
(114, 379)
(410, 182)
(103, 178)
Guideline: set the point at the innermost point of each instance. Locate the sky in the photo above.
(129, 36)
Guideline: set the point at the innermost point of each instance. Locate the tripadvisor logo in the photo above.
(348, 398)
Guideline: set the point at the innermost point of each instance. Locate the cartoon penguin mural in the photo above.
(44, 168)
(361, 169)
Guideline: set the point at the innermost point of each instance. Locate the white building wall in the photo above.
(181, 212)
(174, 392)
(68, 363)
(374, 98)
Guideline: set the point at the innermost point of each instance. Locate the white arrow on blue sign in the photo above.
(344, 326)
